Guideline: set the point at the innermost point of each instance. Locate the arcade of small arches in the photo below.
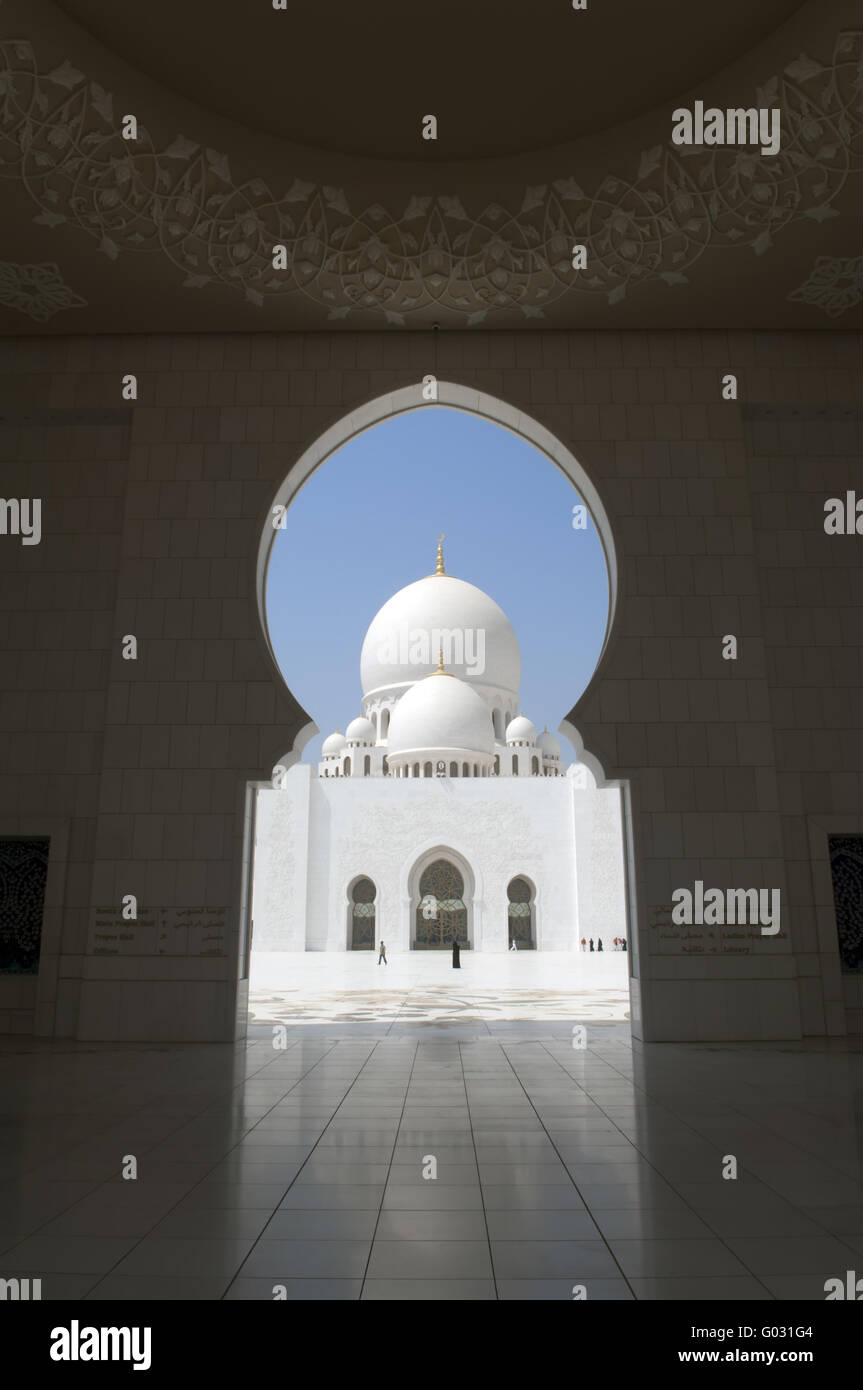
(441, 911)
(354, 757)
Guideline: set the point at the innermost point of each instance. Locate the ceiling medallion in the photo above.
(59, 136)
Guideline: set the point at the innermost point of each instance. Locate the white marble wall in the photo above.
(316, 836)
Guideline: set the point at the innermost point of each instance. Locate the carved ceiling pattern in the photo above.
(60, 137)
(834, 284)
(36, 290)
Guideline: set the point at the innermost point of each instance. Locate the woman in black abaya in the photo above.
(456, 963)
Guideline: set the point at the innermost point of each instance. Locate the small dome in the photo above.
(549, 745)
(441, 714)
(333, 745)
(521, 730)
(360, 730)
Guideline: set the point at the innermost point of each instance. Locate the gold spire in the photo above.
(440, 666)
(440, 569)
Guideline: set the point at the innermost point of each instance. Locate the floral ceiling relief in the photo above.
(834, 284)
(36, 290)
(59, 135)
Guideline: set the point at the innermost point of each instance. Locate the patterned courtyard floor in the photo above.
(350, 987)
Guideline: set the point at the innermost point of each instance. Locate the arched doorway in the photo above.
(362, 914)
(442, 910)
(482, 919)
(520, 914)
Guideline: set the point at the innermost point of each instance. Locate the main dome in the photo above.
(404, 639)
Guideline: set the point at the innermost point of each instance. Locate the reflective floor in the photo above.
(433, 1162)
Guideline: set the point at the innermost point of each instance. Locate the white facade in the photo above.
(317, 836)
(440, 770)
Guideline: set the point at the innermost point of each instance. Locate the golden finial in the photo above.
(440, 569)
(440, 666)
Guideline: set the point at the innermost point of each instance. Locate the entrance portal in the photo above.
(520, 914)
(363, 896)
(441, 913)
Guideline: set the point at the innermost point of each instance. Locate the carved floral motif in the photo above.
(834, 284)
(60, 135)
(36, 290)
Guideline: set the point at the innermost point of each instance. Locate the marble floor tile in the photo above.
(555, 1168)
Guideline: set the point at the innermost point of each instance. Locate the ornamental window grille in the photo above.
(363, 896)
(442, 882)
(520, 914)
(23, 876)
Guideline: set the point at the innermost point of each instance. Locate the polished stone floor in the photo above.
(302, 1167)
(350, 987)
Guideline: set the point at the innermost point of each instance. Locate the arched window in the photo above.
(476, 769)
(416, 769)
(536, 767)
(427, 769)
(497, 765)
(453, 769)
(520, 914)
(385, 723)
(386, 765)
(498, 727)
(347, 767)
(465, 770)
(367, 766)
(363, 896)
(515, 764)
(337, 772)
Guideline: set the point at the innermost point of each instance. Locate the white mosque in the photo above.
(439, 813)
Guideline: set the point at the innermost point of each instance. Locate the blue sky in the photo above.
(366, 524)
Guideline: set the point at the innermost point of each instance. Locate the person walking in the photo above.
(382, 954)
(599, 947)
(584, 943)
(456, 963)
(513, 947)
(623, 943)
(591, 943)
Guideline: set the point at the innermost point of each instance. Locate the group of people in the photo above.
(618, 944)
